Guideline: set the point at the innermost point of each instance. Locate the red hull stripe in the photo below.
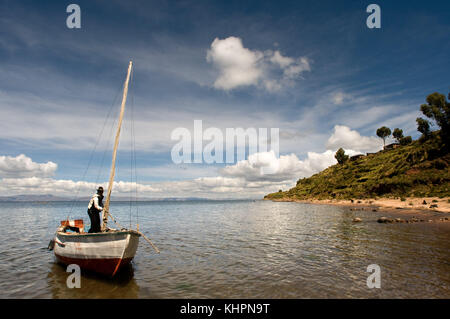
(105, 266)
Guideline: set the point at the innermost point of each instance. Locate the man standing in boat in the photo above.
(94, 208)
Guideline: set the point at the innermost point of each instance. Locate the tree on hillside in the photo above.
(398, 134)
(340, 156)
(437, 109)
(383, 132)
(423, 126)
(405, 140)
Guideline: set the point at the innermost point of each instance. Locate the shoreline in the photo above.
(411, 207)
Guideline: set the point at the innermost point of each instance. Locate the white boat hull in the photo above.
(104, 253)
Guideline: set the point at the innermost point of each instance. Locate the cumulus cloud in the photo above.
(44, 185)
(23, 166)
(239, 66)
(259, 174)
(205, 187)
(242, 180)
(287, 167)
(346, 138)
(237, 186)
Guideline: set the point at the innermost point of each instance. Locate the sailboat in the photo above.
(111, 249)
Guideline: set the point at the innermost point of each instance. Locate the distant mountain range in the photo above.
(31, 198)
(52, 198)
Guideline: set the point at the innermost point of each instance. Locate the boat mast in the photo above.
(116, 143)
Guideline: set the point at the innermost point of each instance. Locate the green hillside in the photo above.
(420, 169)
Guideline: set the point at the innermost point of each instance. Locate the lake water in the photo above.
(233, 249)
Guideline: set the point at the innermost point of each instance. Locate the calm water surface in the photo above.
(233, 249)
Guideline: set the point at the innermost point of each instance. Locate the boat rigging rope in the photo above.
(108, 147)
(133, 163)
(92, 154)
(137, 231)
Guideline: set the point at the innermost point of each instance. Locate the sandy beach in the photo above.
(426, 209)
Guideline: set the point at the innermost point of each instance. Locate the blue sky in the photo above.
(58, 84)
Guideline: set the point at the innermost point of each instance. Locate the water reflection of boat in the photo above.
(122, 285)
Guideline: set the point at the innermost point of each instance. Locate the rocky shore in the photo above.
(392, 210)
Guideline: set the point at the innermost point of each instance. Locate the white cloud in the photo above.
(259, 174)
(235, 187)
(282, 61)
(242, 180)
(295, 69)
(346, 138)
(206, 187)
(23, 166)
(43, 185)
(288, 167)
(239, 66)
